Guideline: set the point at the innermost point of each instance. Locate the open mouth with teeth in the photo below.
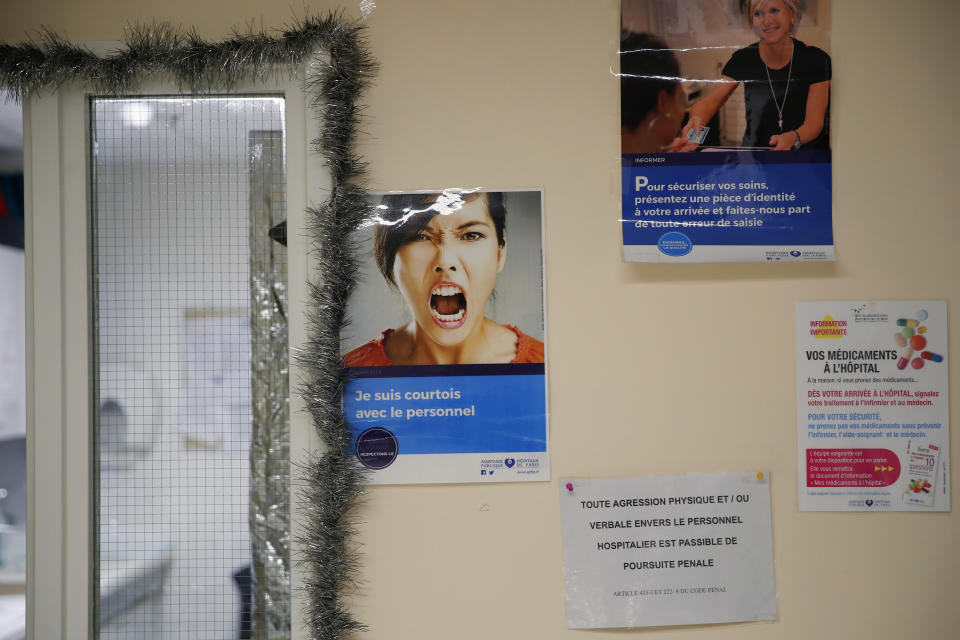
(448, 305)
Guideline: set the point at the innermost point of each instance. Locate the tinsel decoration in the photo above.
(333, 478)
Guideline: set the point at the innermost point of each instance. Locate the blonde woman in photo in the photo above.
(786, 84)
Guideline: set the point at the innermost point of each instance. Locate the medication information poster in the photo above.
(872, 406)
(691, 549)
(725, 133)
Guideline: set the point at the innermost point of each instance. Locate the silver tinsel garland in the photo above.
(333, 478)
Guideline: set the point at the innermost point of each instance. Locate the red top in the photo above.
(372, 354)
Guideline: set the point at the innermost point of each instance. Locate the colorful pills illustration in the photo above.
(911, 340)
(904, 359)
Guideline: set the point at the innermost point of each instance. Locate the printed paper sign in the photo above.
(872, 406)
(725, 132)
(445, 344)
(673, 550)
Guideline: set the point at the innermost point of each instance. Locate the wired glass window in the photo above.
(192, 500)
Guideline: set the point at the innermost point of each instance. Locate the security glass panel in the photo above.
(191, 444)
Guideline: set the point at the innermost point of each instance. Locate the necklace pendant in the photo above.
(780, 122)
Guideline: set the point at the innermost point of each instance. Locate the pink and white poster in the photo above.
(873, 406)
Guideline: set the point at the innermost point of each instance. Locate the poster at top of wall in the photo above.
(872, 406)
(725, 131)
(445, 343)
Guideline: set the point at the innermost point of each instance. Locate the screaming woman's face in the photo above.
(447, 271)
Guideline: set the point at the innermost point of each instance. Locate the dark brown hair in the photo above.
(401, 216)
(647, 68)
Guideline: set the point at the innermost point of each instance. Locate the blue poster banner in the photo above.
(727, 206)
(452, 409)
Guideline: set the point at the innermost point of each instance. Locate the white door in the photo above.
(142, 349)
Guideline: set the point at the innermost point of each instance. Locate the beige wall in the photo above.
(508, 94)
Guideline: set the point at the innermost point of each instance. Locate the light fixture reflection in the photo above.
(137, 113)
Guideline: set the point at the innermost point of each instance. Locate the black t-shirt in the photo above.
(810, 65)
